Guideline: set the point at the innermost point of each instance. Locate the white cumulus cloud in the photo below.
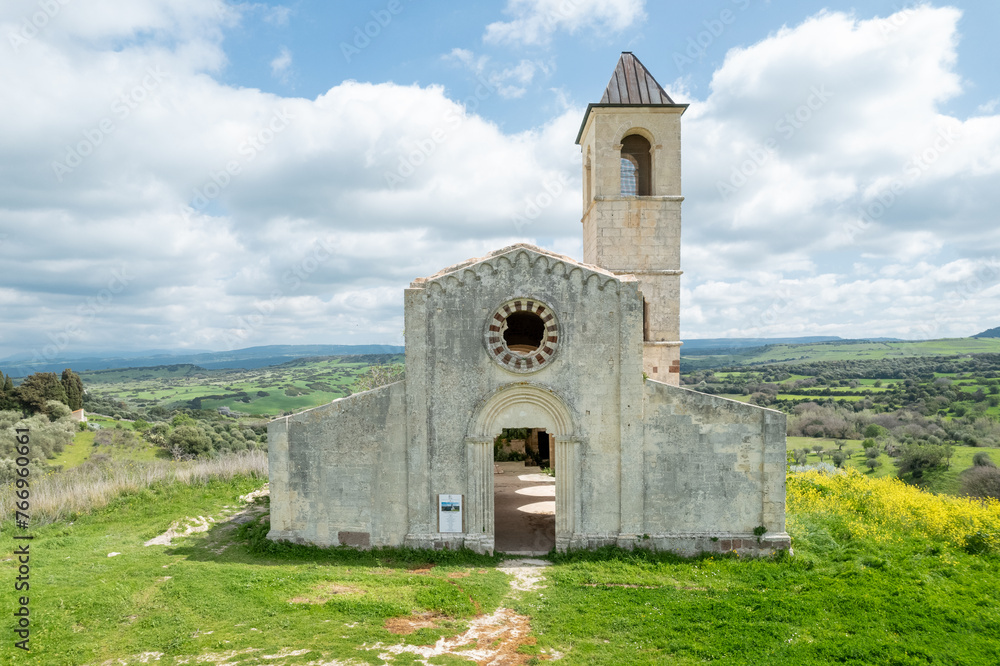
(535, 21)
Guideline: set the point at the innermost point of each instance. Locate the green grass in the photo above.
(83, 448)
(76, 453)
(208, 595)
(908, 598)
(948, 481)
(106, 422)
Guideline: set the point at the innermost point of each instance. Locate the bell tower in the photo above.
(631, 144)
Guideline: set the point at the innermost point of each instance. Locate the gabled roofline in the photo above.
(514, 249)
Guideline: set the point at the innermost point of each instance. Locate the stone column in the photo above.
(566, 453)
(479, 497)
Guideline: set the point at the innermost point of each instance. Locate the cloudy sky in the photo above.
(200, 174)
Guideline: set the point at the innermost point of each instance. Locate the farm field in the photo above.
(840, 351)
(262, 392)
(973, 390)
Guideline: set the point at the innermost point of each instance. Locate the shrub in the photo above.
(874, 431)
(983, 459)
(47, 438)
(56, 410)
(915, 461)
(190, 440)
(981, 481)
(115, 438)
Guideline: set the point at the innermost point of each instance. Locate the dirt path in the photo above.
(490, 640)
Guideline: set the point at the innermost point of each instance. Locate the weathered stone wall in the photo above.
(338, 472)
(713, 469)
(595, 373)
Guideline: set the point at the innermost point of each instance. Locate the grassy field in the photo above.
(268, 391)
(844, 350)
(880, 576)
(948, 481)
(76, 453)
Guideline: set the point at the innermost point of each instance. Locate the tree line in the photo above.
(35, 393)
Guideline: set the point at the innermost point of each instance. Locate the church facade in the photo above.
(586, 353)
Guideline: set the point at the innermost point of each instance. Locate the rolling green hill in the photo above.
(270, 391)
(841, 350)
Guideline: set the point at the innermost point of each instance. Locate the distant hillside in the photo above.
(991, 333)
(693, 347)
(837, 350)
(114, 375)
(247, 359)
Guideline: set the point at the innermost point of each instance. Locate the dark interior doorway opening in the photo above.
(524, 508)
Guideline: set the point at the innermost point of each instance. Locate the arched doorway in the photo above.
(521, 405)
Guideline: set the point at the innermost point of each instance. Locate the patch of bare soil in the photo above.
(230, 518)
(323, 592)
(490, 640)
(182, 528)
(527, 573)
(403, 626)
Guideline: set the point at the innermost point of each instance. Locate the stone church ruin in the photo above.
(586, 353)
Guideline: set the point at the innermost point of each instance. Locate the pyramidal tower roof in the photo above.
(633, 84)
